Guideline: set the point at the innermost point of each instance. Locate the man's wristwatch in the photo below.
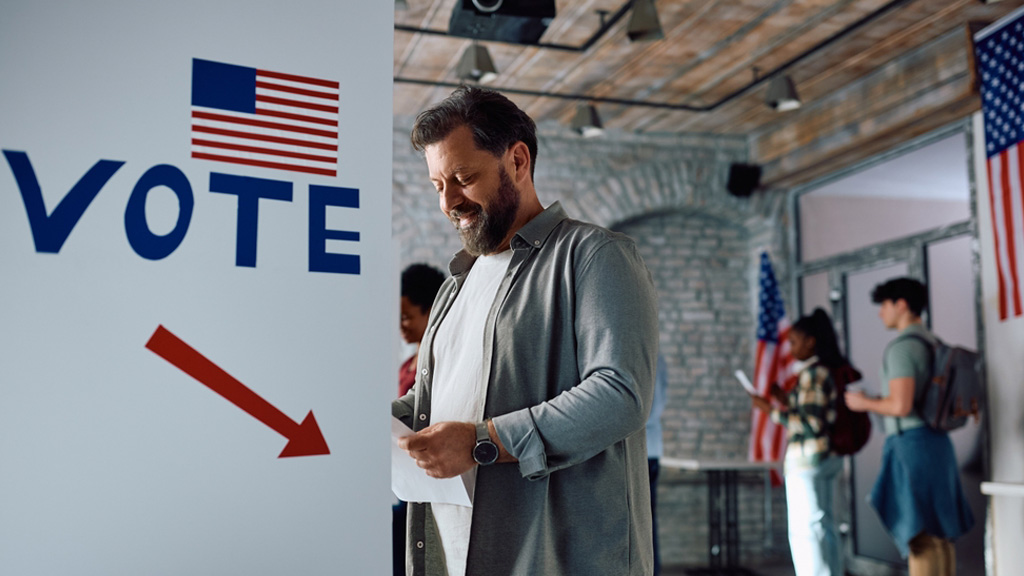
(485, 452)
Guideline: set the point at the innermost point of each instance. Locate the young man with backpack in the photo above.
(917, 494)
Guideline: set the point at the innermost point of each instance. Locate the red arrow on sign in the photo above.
(303, 439)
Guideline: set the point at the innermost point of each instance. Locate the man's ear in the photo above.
(520, 162)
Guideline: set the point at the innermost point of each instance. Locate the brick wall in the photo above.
(702, 246)
(701, 267)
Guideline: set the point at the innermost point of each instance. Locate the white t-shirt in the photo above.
(460, 387)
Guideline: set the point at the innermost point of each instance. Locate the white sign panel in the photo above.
(196, 310)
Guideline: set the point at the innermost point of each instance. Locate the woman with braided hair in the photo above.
(808, 411)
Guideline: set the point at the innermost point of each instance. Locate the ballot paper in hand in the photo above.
(746, 382)
(410, 482)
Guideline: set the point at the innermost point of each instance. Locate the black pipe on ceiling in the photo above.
(667, 105)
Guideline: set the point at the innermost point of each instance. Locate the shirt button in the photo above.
(423, 417)
(424, 371)
(419, 544)
(536, 242)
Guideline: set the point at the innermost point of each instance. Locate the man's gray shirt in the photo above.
(570, 346)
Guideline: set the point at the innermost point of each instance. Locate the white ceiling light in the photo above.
(586, 121)
(476, 65)
(781, 95)
(643, 22)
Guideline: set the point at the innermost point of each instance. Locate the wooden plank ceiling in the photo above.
(710, 51)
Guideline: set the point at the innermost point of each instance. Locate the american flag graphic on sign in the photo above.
(261, 118)
(772, 363)
(999, 54)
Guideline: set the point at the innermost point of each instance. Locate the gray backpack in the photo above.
(955, 389)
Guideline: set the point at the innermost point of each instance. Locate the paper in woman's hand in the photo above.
(746, 382)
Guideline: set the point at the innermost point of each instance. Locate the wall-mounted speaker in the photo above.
(743, 179)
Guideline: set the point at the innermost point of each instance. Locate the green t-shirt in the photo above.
(906, 358)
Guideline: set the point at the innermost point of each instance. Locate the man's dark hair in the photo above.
(912, 291)
(495, 121)
(420, 283)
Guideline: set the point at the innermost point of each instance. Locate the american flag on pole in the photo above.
(261, 118)
(772, 363)
(999, 54)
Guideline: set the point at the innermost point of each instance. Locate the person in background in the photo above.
(917, 494)
(807, 413)
(656, 448)
(420, 283)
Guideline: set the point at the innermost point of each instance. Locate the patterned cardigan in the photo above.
(808, 415)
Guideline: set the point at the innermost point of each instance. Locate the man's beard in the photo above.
(486, 234)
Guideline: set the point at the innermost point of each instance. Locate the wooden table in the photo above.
(723, 509)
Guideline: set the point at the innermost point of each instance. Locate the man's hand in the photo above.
(443, 450)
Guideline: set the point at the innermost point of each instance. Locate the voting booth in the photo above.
(197, 289)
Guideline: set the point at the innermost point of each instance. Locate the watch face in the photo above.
(485, 452)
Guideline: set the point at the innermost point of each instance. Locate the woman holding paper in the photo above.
(807, 411)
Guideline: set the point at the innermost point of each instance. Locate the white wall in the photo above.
(114, 460)
(1004, 357)
(844, 223)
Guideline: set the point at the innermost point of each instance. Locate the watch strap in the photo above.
(482, 432)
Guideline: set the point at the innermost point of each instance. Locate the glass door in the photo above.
(867, 338)
(953, 318)
(908, 212)
(948, 265)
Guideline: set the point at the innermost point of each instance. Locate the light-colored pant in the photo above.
(813, 535)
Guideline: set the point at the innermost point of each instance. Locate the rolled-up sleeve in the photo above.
(614, 324)
(402, 409)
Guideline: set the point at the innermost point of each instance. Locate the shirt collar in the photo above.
(799, 365)
(914, 327)
(533, 234)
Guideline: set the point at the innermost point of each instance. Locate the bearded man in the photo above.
(538, 371)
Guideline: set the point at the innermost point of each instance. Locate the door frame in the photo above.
(913, 250)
